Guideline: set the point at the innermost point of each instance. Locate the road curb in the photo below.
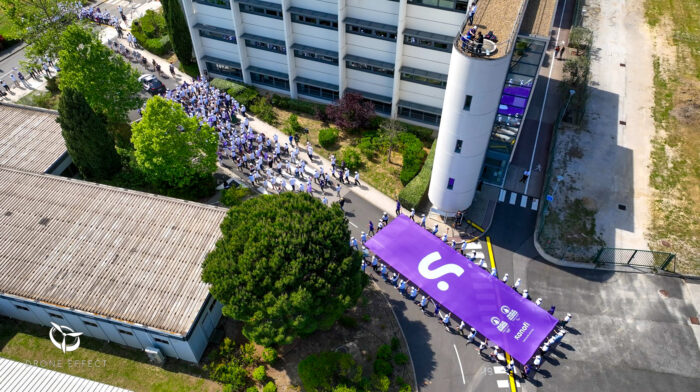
(21, 47)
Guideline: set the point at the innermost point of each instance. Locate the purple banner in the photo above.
(498, 312)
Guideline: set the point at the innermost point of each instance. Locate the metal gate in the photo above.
(637, 257)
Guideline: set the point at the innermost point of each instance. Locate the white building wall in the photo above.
(220, 49)
(426, 59)
(212, 16)
(263, 26)
(371, 48)
(268, 60)
(316, 37)
(371, 83)
(329, 7)
(420, 93)
(189, 350)
(433, 20)
(483, 80)
(380, 11)
(315, 70)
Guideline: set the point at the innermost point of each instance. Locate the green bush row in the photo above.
(415, 191)
(413, 156)
(327, 137)
(296, 105)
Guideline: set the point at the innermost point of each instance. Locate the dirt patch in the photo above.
(365, 327)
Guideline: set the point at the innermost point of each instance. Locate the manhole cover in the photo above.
(663, 293)
(694, 320)
(665, 243)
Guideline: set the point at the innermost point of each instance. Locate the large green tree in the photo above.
(171, 148)
(107, 82)
(177, 30)
(284, 267)
(85, 132)
(38, 23)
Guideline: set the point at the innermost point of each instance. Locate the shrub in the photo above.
(384, 352)
(231, 373)
(327, 137)
(352, 158)
(347, 322)
(263, 110)
(157, 46)
(293, 127)
(400, 359)
(415, 191)
(395, 343)
(351, 113)
(380, 383)
(269, 355)
(247, 353)
(382, 367)
(413, 156)
(251, 389)
(52, 85)
(270, 387)
(424, 134)
(151, 33)
(234, 196)
(245, 96)
(190, 69)
(259, 373)
(367, 147)
(323, 371)
(296, 105)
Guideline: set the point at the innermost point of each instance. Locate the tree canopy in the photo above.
(284, 267)
(89, 144)
(177, 30)
(171, 148)
(38, 23)
(351, 113)
(108, 83)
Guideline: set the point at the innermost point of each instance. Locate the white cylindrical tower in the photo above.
(472, 96)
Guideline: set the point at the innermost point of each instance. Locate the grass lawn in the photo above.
(42, 99)
(379, 173)
(123, 367)
(675, 164)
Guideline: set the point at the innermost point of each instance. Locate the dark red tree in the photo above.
(351, 113)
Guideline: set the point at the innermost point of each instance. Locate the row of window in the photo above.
(380, 33)
(421, 79)
(419, 115)
(225, 70)
(375, 69)
(314, 56)
(271, 81)
(230, 38)
(427, 43)
(451, 5)
(325, 23)
(215, 3)
(266, 46)
(269, 12)
(318, 92)
(91, 324)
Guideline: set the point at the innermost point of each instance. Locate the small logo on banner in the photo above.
(510, 313)
(500, 325)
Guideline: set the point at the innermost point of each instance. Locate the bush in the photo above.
(150, 31)
(230, 373)
(225, 85)
(247, 354)
(296, 105)
(270, 387)
(263, 110)
(245, 96)
(269, 355)
(351, 113)
(367, 147)
(234, 196)
(251, 389)
(413, 156)
(190, 69)
(158, 46)
(347, 322)
(352, 158)
(259, 373)
(424, 134)
(323, 371)
(384, 352)
(383, 368)
(293, 127)
(327, 137)
(380, 383)
(52, 85)
(412, 195)
(395, 343)
(400, 359)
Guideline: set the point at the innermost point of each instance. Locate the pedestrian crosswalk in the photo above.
(516, 199)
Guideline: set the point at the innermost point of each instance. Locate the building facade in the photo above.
(408, 57)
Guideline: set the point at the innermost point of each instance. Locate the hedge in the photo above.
(245, 95)
(296, 105)
(413, 156)
(412, 195)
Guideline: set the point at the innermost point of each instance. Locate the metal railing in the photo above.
(657, 261)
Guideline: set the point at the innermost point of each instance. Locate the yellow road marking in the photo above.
(481, 229)
(488, 244)
(510, 376)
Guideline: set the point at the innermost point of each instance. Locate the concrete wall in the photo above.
(483, 80)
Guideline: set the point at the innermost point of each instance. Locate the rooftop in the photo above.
(117, 253)
(538, 18)
(500, 16)
(30, 138)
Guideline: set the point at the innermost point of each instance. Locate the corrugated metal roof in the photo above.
(30, 138)
(17, 376)
(123, 254)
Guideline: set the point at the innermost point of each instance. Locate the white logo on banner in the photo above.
(439, 272)
(510, 313)
(500, 325)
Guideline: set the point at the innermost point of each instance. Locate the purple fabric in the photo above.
(511, 100)
(510, 111)
(498, 312)
(519, 91)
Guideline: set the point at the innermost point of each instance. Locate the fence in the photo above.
(661, 261)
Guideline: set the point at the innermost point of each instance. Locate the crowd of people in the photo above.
(411, 292)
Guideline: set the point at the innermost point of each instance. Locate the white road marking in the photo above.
(513, 196)
(544, 102)
(523, 201)
(499, 370)
(354, 225)
(503, 383)
(535, 204)
(502, 196)
(460, 365)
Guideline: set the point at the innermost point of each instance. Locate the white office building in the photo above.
(406, 56)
